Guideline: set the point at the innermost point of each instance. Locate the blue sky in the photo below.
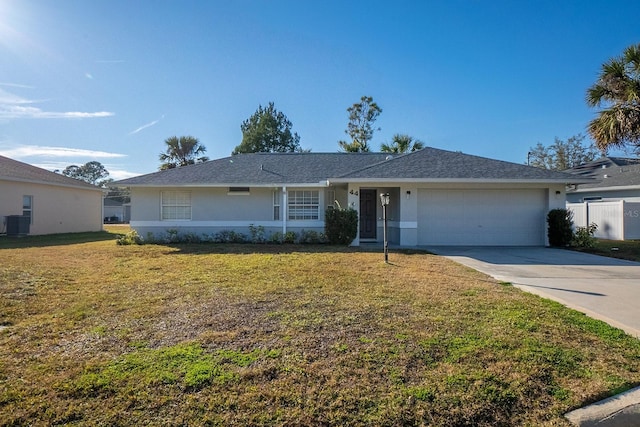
(110, 80)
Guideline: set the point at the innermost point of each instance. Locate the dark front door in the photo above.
(368, 220)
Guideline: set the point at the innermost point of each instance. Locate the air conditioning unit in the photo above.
(18, 225)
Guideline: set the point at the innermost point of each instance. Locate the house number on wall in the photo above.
(355, 193)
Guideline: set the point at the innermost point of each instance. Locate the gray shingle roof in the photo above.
(609, 172)
(14, 170)
(433, 163)
(261, 169)
(312, 168)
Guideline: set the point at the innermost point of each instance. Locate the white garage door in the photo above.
(482, 217)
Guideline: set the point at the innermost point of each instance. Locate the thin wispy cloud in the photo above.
(148, 125)
(46, 151)
(118, 174)
(18, 112)
(8, 99)
(12, 107)
(114, 172)
(21, 86)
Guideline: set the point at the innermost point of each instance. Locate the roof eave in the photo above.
(613, 188)
(323, 183)
(55, 184)
(460, 180)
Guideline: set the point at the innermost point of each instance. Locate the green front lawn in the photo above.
(628, 249)
(98, 334)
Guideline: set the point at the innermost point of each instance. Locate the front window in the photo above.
(303, 205)
(176, 205)
(27, 207)
(276, 205)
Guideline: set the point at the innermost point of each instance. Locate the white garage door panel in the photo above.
(481, 217)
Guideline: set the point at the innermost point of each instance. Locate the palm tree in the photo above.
(402, 144)
(182, 151)
(618, 91)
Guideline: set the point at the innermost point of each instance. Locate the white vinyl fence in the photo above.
(618, 220)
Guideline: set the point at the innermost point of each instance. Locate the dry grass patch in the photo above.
(281, 335)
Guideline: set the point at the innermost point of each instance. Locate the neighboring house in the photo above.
(611, 201)
(615, 178)
(115, 211)
(437, 197)
(52, 202)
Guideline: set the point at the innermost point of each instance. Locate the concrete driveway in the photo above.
(604, 288)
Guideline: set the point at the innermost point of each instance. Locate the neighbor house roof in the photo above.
(615, 173)
(13, 170)
(112, 203)
(428, 164)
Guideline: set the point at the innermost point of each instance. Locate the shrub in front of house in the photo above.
(583, 237)
(258, 236)
(341, 225)
(311, 237)
(131, 238)
(560, 227)
(290, 237)
(230, 236)
(257, 233)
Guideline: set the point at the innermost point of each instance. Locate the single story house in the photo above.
(611, 200)
(614, 178)
(437, 197)
(116, 211)
(52, 203)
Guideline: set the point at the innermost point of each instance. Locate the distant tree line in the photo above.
(562, 155)
(95, 173)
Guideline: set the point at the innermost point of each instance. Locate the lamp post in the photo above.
(384, 200)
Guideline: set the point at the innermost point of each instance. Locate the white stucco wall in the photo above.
(213, 209)
(403, 220)
(56, 209)
(216, 209)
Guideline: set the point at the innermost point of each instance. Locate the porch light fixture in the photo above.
(384, 200)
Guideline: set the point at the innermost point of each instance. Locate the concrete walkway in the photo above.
(603, 288)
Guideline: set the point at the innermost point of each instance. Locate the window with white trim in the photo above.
(276, 205)
(303, 204)
(175, 205)
(27, 207)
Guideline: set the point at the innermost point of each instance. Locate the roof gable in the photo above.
(14, 170)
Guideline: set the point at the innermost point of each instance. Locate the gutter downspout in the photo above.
(104, 196)
(285, 212)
